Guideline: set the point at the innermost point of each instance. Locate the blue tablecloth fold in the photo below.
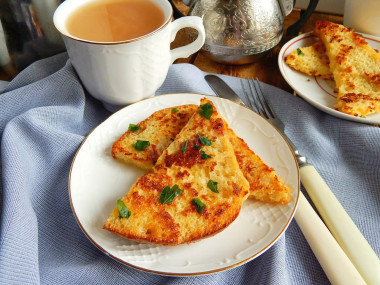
(44, 116)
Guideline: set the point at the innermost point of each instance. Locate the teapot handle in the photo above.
(294, 29)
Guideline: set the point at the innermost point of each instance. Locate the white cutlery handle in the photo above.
(335, 263)
(341, 226)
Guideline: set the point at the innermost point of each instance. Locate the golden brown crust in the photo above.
(311, 60)
(159, 129)
(355, 67)
(265, 185)
(180, 221)
(154, 225)
(351, 62)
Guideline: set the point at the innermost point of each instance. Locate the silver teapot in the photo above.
(241, 31)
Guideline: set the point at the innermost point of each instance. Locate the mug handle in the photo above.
(194, 22)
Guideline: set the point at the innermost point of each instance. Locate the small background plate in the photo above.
(317, 91)
(97, 181)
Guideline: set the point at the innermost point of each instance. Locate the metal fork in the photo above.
(265, 109)
(335, 217)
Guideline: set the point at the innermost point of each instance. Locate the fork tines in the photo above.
(261, 104)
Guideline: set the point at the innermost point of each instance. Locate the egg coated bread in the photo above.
(264, 184)
(195, 191)
(163, 125)
(159, 129)
(311, 60)
(355, 67)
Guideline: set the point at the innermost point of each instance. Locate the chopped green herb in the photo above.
(141, 145)
(184, 147)
(123, 211)
(197, 147)
(205, 140)
(133, 127)
(213, 186)
(206, 110)
(175, 110)
(205, 155)
(299, 52)
(362, 116)
(169, 194)
(199, 204)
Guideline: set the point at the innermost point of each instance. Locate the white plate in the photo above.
(317, 91)
(97, 181)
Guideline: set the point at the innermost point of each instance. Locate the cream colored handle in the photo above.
(335, 263)
(341, 226)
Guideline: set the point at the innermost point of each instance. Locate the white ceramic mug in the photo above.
(363, 16)
(120, 73)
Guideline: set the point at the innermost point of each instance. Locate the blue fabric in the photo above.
(44, 116)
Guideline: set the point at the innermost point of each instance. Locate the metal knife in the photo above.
(334, 261)
(222, 89)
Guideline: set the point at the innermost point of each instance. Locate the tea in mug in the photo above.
(115, 20)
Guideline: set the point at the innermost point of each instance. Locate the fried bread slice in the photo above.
(355, 67)
(311, 60)
(159, 129)
(265, 184)
(202, 163)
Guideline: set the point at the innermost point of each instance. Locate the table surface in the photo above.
(266, 68)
